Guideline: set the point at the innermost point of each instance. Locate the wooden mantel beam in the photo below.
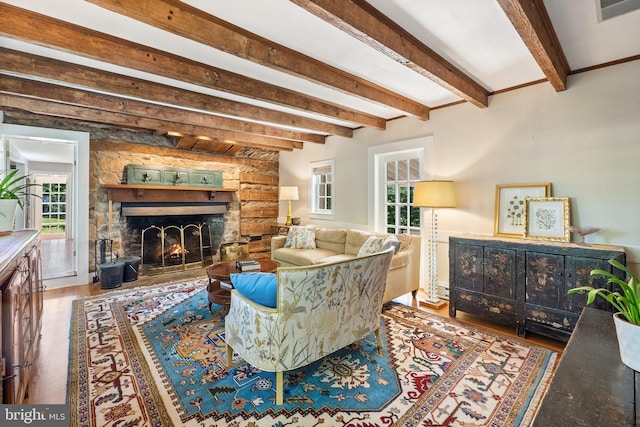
(187, 21)
(147, 193)
(51, 69)
(365, 23)
(35, 28)
(531, 21)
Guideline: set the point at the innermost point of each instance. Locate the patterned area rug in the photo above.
(155, 356)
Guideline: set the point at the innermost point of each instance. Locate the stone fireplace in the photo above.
(243, 210)
(170, 229)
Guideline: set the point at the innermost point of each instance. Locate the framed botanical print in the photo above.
(509, 216)
(546, 218)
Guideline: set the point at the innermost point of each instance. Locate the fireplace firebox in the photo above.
(170, 243)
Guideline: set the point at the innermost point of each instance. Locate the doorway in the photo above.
(61, 160)
(52, 215)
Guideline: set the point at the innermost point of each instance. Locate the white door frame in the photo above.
(80, 140)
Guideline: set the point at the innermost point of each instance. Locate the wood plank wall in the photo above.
(258, 210)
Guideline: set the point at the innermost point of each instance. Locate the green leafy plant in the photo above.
(14, 187)
(627, 302)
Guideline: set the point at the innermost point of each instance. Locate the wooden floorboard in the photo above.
(57, 258)
(49, 384)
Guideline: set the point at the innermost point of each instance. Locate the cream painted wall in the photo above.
(585, 141)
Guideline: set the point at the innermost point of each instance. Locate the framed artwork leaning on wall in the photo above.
(509, 215)
(546, 218)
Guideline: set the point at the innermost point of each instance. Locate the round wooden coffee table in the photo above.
(221, 272)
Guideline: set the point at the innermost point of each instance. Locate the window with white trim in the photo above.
(322, 190)
(400, 173)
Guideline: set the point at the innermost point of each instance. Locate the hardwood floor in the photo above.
(49, 384)
(57, 259)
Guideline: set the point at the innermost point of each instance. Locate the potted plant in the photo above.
(13, 191)
(626, 300)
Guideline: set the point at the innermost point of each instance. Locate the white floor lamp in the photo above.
(434, 195)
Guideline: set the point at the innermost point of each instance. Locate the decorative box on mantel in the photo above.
(168, 176)
(524, 283)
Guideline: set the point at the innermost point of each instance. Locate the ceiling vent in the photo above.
(608, 9)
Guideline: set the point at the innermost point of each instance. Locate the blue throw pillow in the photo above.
(258, 287)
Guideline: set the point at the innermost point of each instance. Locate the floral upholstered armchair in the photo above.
(319, 309)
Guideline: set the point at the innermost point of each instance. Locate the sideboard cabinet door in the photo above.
(37, 290)
(578, 273)
(485, 282)
(16, 345)
(549, 310)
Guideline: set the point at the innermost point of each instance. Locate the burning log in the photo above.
(175, 253)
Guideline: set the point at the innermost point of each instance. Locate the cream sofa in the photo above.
(318, 309)
(339, 244)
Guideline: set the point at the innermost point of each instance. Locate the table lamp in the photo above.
(434, 195)
(289, 194)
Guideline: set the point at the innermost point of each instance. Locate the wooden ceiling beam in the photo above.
(186, 141)
(531, 21)
(66, 95)
(202, 143)
(365, 23)
(35, 28)
(78, 75)
(187, 21)
(215, 145)
(75, 112)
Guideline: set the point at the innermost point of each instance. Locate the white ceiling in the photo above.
(474, 35)
(38, 150)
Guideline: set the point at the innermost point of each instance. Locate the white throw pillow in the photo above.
(372, 245)
(300, 237)
(391, 241)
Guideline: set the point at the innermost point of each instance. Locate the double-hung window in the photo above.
(400, 176)
(396, 168)
(322, 189)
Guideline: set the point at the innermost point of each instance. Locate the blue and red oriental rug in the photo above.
(155, 356)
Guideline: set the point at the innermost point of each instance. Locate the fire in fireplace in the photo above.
(171, 240)
(175, 247)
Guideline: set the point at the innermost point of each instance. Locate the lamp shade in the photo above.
(289, 193)
(434, 194)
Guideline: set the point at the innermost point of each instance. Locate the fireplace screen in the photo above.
(175, 247)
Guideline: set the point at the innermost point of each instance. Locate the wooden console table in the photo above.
(591, 386)
(22, 291)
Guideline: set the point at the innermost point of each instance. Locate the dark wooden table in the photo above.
(591, 386)
(221, 272)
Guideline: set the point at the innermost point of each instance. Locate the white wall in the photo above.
(585, 141)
